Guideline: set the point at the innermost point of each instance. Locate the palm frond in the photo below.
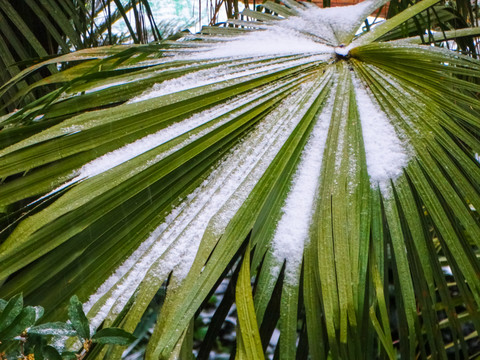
(336, 170)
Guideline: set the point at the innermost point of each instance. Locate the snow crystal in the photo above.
(386, 154)
(313, 31)
(293, 227)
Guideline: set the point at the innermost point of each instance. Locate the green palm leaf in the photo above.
(31, 29)
(344, 164)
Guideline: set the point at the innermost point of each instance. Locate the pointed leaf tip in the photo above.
(51, 353)
(12, 309)
(23, 321)
(78, 318)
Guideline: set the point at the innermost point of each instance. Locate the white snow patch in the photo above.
(107, 84)
(70, 130)
(293, 227)
(291, 111)
(138, 147)
(175, 242)
(342, 50)
(386, 154)
(313, 31)
(188, 81)
(276, 40)
(331, 24)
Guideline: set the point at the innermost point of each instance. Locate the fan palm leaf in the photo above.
(335, 169)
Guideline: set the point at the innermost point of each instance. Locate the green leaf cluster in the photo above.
(22, 335)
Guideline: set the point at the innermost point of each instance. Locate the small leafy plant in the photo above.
(21, 337)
